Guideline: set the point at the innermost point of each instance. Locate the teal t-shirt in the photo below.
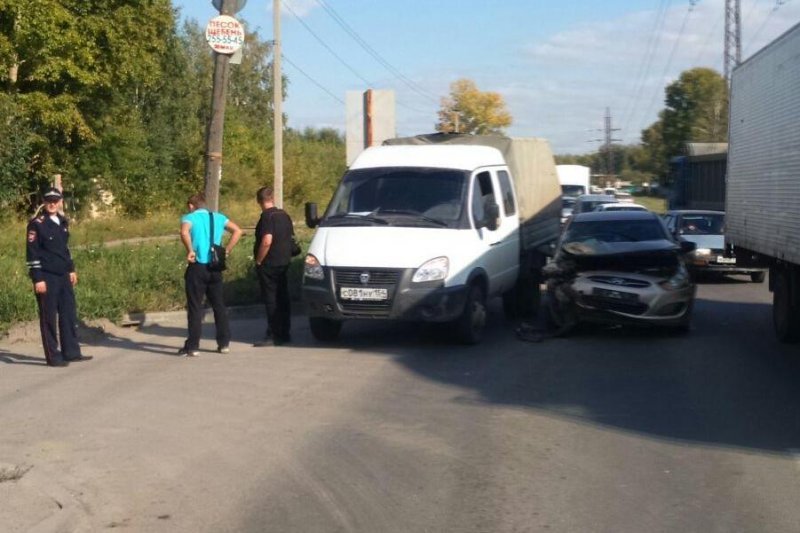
(201, 226)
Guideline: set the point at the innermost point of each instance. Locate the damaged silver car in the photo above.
(622, 268)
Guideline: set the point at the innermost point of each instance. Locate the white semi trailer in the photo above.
(763, 182)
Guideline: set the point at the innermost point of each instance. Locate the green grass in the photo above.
(657, 205)
(129, 278)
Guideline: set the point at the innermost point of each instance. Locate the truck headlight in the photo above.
(702, 251)
(433, 270)
(679, 280)
(312, 269)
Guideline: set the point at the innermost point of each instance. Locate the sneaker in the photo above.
(183, 352)
(224, 349)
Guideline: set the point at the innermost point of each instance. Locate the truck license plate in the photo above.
(726, 260)
(363, 294)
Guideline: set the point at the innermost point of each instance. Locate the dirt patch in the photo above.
(13, 473)
(89, 331)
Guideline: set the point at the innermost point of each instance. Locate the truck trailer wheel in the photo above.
(325, 329)
(471, 323)
(785, 309)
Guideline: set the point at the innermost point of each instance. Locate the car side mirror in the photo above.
(312, 219)
(688, 247)
(491, 214)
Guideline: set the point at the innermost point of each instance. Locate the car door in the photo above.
(508, 230)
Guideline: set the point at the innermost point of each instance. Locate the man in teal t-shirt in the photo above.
(201, 282)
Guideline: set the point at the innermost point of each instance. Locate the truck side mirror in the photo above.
(312, 219)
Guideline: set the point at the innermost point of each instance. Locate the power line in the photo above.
(644, 70)
(778, 4)
(375, 55)
(709, 35)
(324, 44)
(312, 80)
(677, 43)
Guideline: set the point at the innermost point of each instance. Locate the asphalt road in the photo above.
(393, 429)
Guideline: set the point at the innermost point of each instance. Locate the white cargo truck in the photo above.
(575, 179)
(429, 228)
(763, 182)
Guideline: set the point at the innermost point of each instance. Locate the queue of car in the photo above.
(617, 262)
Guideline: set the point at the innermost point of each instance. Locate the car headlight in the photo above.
(312, 269)
(679, 280)
(433, 270)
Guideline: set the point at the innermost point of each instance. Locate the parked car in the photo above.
(624, 197)
(588, 202)
(707, 230)
(620, 267)
(620, 206)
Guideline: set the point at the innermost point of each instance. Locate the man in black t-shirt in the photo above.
(273, 253)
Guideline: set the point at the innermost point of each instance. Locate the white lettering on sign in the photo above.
(225, 35)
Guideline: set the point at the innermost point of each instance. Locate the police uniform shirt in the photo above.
(47, 247)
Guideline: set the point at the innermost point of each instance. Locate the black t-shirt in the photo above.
(276, 222)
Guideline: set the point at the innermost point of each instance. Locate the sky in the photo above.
(557, 63)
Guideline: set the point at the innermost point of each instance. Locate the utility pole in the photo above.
(213, 172)
(733, 36)
(608, 140)
(277, 104)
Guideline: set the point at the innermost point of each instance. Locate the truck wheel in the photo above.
(785, 312)
(471, 323)
(758, 277)
(325, 329)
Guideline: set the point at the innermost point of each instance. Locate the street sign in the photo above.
(237, 6)
(225, 35)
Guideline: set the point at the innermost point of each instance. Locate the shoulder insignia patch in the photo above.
(31, 236)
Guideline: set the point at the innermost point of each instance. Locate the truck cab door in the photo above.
(498, 242)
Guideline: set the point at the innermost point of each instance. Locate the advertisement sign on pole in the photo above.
(225, 35)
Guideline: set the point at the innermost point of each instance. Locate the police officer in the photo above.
(53, 274)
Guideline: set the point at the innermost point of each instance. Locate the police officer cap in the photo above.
(52, 195)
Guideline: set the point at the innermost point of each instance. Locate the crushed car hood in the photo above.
(620, 256)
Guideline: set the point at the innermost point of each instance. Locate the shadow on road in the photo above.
(727, 383)
(10, 358)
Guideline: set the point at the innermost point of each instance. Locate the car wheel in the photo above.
(785, 312)
(758, 277)
(471, 323)
(325, 329)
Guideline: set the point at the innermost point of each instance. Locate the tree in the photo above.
(469, 110)
(696, 111)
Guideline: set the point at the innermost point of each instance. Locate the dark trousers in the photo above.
(57, 310)
(274, 281)
(201, 283)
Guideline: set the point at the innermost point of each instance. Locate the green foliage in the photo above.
(696, 111)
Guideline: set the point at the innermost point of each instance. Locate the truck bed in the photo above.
(763, 188)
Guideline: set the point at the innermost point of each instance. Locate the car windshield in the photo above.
(619, 207)
(702, 224)
(596, 231)
(567, 202)
(430, 197)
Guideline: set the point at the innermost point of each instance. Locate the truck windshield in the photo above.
(422, 197)
(573, 190)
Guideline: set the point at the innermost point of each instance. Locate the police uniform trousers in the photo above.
(274, 281)
(202, 283)
(57, 310)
